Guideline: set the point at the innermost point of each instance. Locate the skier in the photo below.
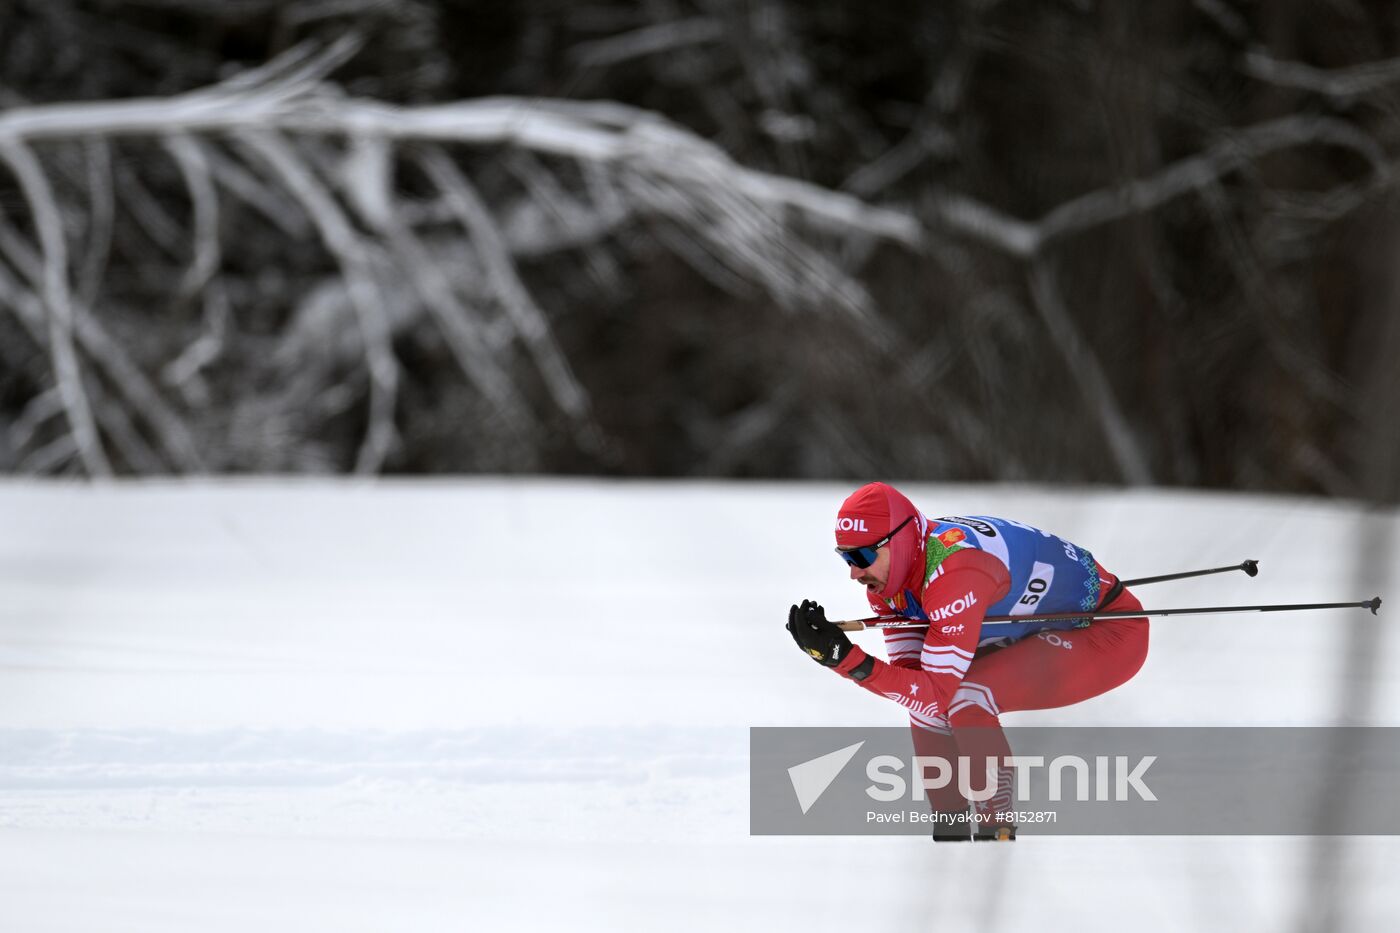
(954, 676)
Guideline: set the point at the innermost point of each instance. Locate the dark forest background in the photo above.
(1051, 241)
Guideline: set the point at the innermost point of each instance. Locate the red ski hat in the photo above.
(868, 514)
(864, 517)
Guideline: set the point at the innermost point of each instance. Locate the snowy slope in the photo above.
(335, 706)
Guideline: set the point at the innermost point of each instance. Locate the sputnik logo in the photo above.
(811, 778)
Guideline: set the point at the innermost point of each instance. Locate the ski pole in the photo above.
(856, 625)
(1250, 567)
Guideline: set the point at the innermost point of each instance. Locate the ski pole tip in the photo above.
(1374, 604)
(1250, 567)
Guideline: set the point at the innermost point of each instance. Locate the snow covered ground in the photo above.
(276, 705)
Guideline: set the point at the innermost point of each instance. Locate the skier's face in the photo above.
(877, 574)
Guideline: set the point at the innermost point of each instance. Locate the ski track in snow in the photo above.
(447, 785)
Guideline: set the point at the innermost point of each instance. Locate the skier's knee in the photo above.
(973, 705)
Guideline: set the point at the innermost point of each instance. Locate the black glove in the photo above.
(821, 639)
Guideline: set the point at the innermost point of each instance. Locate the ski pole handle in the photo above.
(1250, 567)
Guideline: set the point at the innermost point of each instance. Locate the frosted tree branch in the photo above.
(111, 359)
(58, 301)
(1027, 238)
(344, 243)
(460, 327)
(649, 40)
(584, 131)
(195, 169)
(103, 201)
(367, 195)
(183, 372)
(629, 157)
(529, 321)
(1340, 84)
(233, 177)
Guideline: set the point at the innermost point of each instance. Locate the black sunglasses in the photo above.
(863, 557)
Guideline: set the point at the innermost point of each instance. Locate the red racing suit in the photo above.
(936, 671)
(954, 691)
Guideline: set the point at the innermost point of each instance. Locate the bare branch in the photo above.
(1190, 174)
(649, 40)
(549, 194)
(1343, 85)
(1229, 21)
(584, 131)
(1081, 362)
(150, 216)
(1026, 239)
(310, 11)
(50, 457)
(460, 328)
(582, 225)
(58, 301)
(296, 71)
(106, 354)
(530, 322)
(753, 243)
(232, 9)
(114, 419)
(367, 178)
(103, 210)
(20, 252)
(989, 225)
(704, 257)
(899, 160)
(194, 168)
(237, 180)
(345, 244)
(174, 436)
(589, 171)
(1254, 279)
(745, 431)
(182, 373)
(40, 408)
